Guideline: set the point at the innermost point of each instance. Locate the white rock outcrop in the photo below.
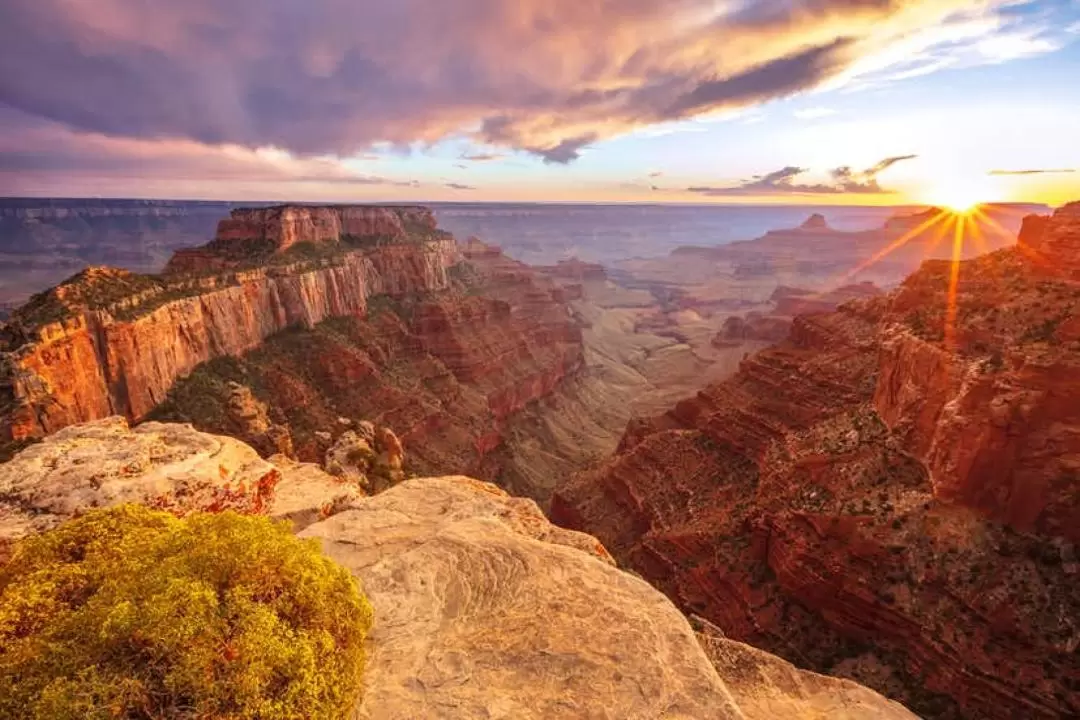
(483, 609)
(105, 463)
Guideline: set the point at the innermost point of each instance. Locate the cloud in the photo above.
(459, 186)
(1054, 171)
(549, 77)
(1012, 46)
(814, 113)
(482, 157)
(782, 182)
(656, 174)
(30, 149)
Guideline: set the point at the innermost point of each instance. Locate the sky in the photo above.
(704, 101)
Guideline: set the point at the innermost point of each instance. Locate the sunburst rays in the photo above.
(967, 228)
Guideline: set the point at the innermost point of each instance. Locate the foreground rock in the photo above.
(483, 609)
(107, 463)
(892, 494)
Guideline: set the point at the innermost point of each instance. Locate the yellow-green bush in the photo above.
(131, 613)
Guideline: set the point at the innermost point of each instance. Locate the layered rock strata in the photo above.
(286, 225)
(891, 494)
(108, 342)
(447, 371)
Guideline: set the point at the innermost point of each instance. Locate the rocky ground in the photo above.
(482, 607)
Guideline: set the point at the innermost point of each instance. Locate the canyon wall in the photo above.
(891, 494)
(286, 225)
(444, 344)
(449, 371)
(122, 357)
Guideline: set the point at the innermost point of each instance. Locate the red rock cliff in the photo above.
(892, 494)
(446, 370)
(287, 225)
(1054, 244)
(121, 355)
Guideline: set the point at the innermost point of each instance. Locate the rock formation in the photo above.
(286, 225)
(891, 494)
(483, 608)
(1054, 245)
(109, 342)
(446, 370)
(264, 232)
(753, 326)
(370, 457)
(352, 458)
(815, 222)
(105, 463)
(250, 422)
(788, 302)
(389, 321)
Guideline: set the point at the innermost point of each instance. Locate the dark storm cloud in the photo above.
(782, 182)
(331, 77)
(776, 78)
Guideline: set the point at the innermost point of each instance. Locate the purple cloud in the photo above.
(327, 77)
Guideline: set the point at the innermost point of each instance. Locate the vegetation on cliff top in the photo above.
(131, 613)
(130, 295)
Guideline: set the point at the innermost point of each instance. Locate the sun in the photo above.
(958, 199)
(960, 195)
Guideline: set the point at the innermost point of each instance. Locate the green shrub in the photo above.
(132, 613)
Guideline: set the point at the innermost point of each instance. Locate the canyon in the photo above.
(879, 480)
(325, 312)
(890, 494)
(481, 365)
